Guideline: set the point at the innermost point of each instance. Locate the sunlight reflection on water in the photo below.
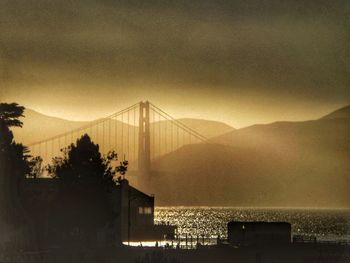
(324, 224)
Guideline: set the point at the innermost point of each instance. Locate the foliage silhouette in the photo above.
(86, 180)
(36, 168)
(9, 114)
(14, 156)
(83, 163)
(13, 167)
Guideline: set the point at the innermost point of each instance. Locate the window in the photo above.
(145, 210)
(148, 210)
(140, 210)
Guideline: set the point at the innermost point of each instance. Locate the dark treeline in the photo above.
(84, 180)
(15, 164)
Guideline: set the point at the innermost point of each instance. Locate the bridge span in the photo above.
(140, 133)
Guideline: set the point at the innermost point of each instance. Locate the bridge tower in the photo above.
(144, 154)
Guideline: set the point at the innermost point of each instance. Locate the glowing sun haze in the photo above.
(240, 62)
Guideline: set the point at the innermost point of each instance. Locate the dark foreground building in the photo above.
(136, 220)
(64, 230)
(60, 220)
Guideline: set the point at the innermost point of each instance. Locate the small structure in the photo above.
(136, 222)
(258, 233)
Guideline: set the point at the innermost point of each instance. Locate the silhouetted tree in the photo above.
(82, 163)
(86, 179)
(16, 154)
(13, 155)
(13, 167)
(9, 114)
(36, 168)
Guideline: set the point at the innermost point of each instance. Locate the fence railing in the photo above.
(299, 239)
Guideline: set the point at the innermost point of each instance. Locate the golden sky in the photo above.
(240, 62)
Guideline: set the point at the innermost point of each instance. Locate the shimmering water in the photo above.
(197, 221)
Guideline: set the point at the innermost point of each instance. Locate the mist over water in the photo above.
(324, 224)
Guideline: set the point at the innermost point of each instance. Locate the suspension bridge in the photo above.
(140, 134)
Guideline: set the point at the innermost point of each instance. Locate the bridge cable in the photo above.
(177, 122)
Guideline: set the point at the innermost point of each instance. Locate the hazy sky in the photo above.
(241, 62)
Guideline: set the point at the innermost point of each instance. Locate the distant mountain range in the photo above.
(278, 164)
(37, 126)
(342, 113)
